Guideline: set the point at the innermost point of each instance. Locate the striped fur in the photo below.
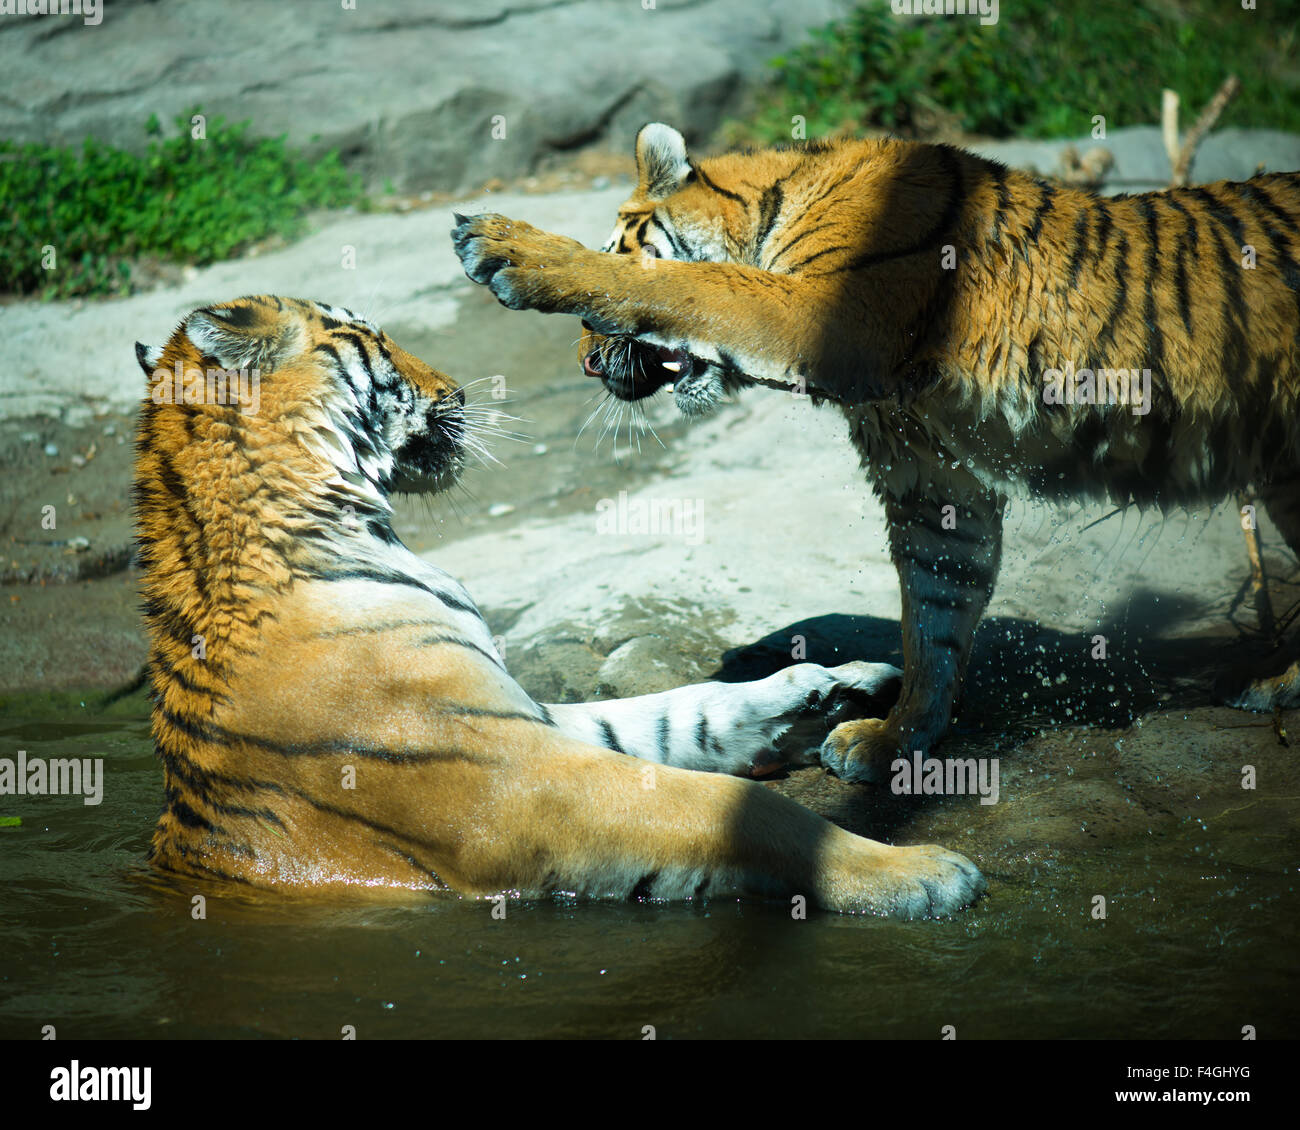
(331, 712)
(936, 297)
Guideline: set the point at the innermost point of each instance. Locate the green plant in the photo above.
(1043, 69)
(184, 199)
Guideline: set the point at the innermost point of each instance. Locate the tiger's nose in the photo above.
(593, 365)
(457, 396)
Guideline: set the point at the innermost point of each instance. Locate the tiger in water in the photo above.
(331, 712)
(985, 334)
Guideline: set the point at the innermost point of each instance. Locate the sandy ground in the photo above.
(776, 538)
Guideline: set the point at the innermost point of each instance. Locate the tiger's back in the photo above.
(1145, 349)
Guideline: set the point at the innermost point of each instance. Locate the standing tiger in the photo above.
(985, 333)
(330, 709)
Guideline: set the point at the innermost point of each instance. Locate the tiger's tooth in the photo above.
(673, 366)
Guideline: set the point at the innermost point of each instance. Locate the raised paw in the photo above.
(861, 750)
(520, 264)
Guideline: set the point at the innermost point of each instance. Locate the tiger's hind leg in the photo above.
(1281, 500)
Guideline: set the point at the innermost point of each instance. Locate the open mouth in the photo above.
(644, 370)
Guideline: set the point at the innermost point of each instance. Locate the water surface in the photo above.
(95, 944)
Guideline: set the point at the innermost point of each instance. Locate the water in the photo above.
(94, 943)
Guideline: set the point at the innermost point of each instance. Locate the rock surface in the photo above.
(410, 92)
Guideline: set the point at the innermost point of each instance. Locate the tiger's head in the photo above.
(685, 210)
(326, 392)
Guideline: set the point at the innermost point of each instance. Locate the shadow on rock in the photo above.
(1029, 689)
(1023, 675)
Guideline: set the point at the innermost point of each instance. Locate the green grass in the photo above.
(185, 200)
(1044, 69)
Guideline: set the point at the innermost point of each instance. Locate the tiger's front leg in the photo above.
(747, 729)
(947, 555)
(752, 321)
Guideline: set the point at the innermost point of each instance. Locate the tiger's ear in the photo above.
(240, 335)
(149, 357)
(661, 163)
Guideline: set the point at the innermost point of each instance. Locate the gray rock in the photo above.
(554, 670)
(653, 663)
(409, 92)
